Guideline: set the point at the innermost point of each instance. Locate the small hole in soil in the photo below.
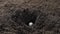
(26, 17)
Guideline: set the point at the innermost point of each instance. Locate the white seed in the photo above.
(30, 23)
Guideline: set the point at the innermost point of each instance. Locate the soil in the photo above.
(15, 16)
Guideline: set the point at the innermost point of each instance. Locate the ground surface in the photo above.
(16, 14)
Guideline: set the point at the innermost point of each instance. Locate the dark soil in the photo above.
(15, 16)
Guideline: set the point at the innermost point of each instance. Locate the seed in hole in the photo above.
(30, 23)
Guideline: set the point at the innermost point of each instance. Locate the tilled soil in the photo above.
(15, 16)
